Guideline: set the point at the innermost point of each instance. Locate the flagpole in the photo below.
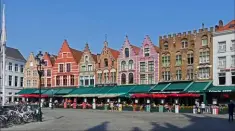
(3, 44)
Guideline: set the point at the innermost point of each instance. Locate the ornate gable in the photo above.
(92, 58)
(133, 50)
(148, 45)
(31, 62)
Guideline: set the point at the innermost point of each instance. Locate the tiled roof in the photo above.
(115, 53)
(157, 49)
(136, 49)
(94, 57)
(14, 53)
(76, 54)
(229, 26)
(53, 58)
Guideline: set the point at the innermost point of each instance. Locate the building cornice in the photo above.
(227, 32)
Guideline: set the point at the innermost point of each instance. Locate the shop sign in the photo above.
(220, 90)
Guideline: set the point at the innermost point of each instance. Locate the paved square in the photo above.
(94, 120)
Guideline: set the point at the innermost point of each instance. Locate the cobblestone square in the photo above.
(94, 120)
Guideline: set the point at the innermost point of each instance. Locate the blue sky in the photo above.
(34, 25)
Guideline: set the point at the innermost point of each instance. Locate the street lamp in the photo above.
(40, 62)
(52, 103)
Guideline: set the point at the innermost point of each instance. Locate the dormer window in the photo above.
(184, 43)
(146, 51)
(86, 59)
(106, 63)
(65, 55)
(204, 41)
(165, 46)
(127, 53)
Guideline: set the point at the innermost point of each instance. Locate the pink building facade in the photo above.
(148, 63)
(127, 64)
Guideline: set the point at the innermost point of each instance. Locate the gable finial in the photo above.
(106, 37)
(202, 25)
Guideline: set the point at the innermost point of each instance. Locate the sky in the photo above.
(34, 25)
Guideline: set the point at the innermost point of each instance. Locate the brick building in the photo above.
(106, 67)
(127, 63)
(65, 70)
(148, 63)
(187, 56)
(87, 67)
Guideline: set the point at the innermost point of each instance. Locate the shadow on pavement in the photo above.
(101, 127)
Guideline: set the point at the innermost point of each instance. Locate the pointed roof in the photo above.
(14, 53)
(94, 57)
(115, 53)
(135, 48)
(157, 49)
(51, 57)
(229, 26)
(76, 54)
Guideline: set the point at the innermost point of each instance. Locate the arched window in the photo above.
(131, 64)
(123, 64)
(178, 59)
(184, 43)
(165, 46)
(131, 78)
(106, 63)
(127, 53)
(204, 41)
(190, 58)
(123, 79)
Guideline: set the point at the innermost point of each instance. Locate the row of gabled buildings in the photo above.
(187, 56)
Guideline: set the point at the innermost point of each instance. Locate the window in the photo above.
(35, 73)
(58, 80)
(123, 79)
(45, 63)
(28, 83)
(204, 57)
(184, 43)
(86, 59)
(166, 75)
(42, 82)
(21, 68)
(65, 80)
(165, 46)
(31, 64)
(86, 81)
(99, 78)
(10, 80)
(48, 82)
(89, 67)
(16, 81)
(127, 52)
(112, 62)
(10, 66)
(178, 60)
(28, 73)
(131, 78)
(61, 67)
(106, 77)
(204, 41)
(123, 64)
(190, 58)
(113, 77)
(165, 60)
(189, 74)
(204, 73)
(222, 78)
(150, 79)
(232, 48)
(64, 55)
(72, 80)
(222, 46)
(233, 60)
(92, 81)
(106, 63)
(222, 62)
(68, 67)
(34, 83)
(131, 65)
(146, 52)
(142, 66)
(178, 74)
(48, 72)
(21, 81)
(233, 77)
(142, 79)
(150, 66)
(83, 68)
(16, 68)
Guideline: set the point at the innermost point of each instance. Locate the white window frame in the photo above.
(146, 51)
(204, 73)
(232, 48)
(233, 61)
(222, 46)
(222, 62)
(184, 44)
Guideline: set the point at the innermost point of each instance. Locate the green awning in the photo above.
(51, 92)
(80, 90)
(38, 90)
(64, 91)
(198, 87)
(222, 89)
(177, 86)
(26, 91)
(141, 89)
(159, 87)
(120, 89)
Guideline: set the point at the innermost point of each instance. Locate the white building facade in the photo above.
(14, 76)
(224, 55)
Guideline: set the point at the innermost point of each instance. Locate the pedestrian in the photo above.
(230, 110)
(203, 106)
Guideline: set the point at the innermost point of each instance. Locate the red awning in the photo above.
(183, 95)
(141, 95)
(159, 96)
(33, 95)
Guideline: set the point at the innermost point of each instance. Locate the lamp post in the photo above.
(40, 62)
(52, 101)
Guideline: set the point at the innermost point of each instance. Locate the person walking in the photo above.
(203, 106)
(230, 110)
